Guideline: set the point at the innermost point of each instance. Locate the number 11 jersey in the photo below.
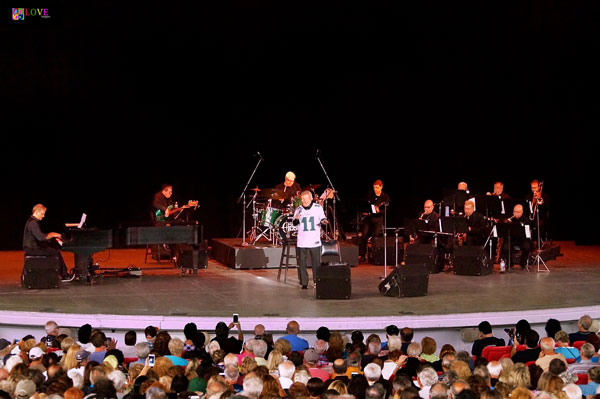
(309, 229)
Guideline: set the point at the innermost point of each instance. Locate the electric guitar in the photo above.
(171, 211)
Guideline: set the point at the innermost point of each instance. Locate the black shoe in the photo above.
(305, 287)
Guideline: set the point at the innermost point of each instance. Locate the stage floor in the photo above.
(217, 291)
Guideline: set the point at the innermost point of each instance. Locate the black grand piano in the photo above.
(85, 242)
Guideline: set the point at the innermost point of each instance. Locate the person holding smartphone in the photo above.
(227, 343)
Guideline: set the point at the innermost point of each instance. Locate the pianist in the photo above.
(36, 243)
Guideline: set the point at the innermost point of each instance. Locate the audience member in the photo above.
(486, 338)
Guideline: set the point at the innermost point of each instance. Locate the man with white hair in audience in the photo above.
(548, 353)
(375, 391)
(286, 371)
(142, 350)
(572, 391)
(426, 378)
(587, 351)
(372, 373)
(302, 376)
(51, 329)
(247, 351)
(495, 369)
(253, 386)
(259, 348)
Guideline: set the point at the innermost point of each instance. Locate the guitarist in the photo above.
(163, 203)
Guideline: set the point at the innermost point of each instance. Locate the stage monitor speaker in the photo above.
(471, 260)
(192, 257)
(377, 249)
(419, 254)
(333, 281)
(405, 283)
(41, 272)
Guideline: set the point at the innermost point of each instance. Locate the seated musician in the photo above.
(290, 188)
(543, 206)
(431, 219)
(476, 225)
(372, 223)
(499, 191)
(36, 243)
(518, 235)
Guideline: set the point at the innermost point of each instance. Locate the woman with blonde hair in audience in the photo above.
(554, 385)
(166, 380)
(462, 369)
(248, 365)
(339, 387)
(162, 365)
(521, 393)
(519, 377)
(274, 360)
(283, 346)
(69, 361)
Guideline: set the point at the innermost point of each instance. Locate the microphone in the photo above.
(511, 218)
(317, 154)
(261, 158)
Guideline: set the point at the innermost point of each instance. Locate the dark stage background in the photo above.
(105, 101)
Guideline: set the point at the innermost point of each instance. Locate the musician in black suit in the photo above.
(431, 219)
(36, 243)
(373, 222)
(519, 224)
(543, 206)
(499, 191)
(457, 199)
(475, 223)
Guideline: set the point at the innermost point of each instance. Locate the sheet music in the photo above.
(373, 210)
(502, 205)
(82, 221)
(495, 232)
(527, 231)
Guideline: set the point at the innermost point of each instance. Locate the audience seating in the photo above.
(578, 344)
(491, 353)
(582, 379)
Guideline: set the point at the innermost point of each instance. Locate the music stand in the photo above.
(538, 257)
(454, 225)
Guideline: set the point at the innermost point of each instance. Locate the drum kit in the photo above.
(273, 218)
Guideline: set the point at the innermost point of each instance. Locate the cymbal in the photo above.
(311, 187)
(273, 193)
(255, 189)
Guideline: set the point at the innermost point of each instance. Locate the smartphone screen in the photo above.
(151, 360)
(235, 317)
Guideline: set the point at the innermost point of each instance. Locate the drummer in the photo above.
(290, 188)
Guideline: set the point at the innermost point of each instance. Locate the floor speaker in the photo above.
(41, 272)
(471, 260)
(376, 251)
(333, 281)
(404, 283)
(419, 254)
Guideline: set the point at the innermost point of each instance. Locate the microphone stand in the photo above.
(243, 196)
(538, 257)
(335, 197)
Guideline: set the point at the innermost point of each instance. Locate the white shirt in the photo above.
(309, 229)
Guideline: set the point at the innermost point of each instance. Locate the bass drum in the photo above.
(285, 228)
(269, 216)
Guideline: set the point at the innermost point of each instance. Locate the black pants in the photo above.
(315, 257)
(371, 227)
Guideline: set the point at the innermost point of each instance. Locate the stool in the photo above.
(285, 258)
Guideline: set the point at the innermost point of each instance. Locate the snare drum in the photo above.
(269, 216)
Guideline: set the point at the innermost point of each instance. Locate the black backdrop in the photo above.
(106, 101)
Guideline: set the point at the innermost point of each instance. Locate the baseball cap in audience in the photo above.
(311, 356)
(81, 355)
(25, 389)
(36, 352)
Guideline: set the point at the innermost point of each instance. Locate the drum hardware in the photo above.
(243, 196)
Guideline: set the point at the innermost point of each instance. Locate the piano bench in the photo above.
(40, 272)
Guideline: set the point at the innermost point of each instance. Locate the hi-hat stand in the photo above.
(243, 196)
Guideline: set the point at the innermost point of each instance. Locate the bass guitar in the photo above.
(171, 212)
